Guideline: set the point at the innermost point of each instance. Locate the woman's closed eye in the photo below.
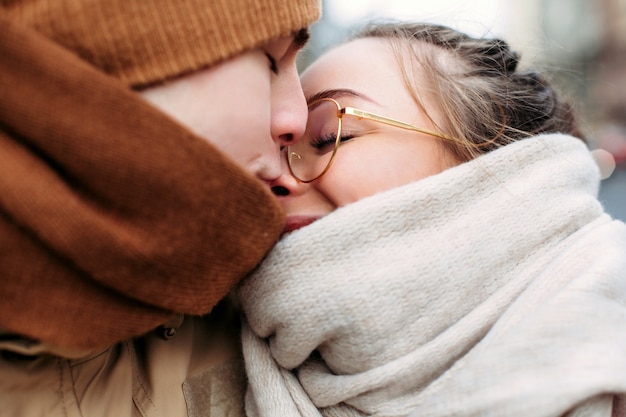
(326, 143)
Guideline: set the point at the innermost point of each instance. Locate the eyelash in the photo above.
(328, 140)
(273, 64)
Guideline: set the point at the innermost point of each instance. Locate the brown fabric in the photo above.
(112, 216)
(145, 41)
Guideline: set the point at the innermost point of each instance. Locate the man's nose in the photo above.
(289, 109)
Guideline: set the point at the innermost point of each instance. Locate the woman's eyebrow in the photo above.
(337, 94)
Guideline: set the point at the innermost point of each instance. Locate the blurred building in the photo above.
(589, 40)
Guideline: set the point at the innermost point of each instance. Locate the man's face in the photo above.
(248, 106)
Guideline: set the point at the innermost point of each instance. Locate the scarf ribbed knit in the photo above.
(496, 288)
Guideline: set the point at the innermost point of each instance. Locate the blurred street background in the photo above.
(581, 44)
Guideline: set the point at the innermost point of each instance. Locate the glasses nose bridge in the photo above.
(306, 159)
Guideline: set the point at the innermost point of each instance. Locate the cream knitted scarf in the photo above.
(496, 288)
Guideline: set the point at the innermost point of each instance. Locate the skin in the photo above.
(364, 74)
(248, 106)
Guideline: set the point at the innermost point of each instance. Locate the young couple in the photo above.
(475, 273)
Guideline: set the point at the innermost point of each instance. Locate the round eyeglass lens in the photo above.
(312, 155)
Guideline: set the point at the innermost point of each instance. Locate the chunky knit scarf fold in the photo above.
(497, 287)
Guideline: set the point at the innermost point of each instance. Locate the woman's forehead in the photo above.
(367, 66)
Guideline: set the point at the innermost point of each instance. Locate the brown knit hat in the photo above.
(146, 41)
(112, 216)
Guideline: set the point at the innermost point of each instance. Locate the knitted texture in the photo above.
(112, 216)
(146, 41)
(497, 287)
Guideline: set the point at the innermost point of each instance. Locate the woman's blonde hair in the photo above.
(483, 98)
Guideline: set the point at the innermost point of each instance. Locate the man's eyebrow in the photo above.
(337, 93)
(301, 38)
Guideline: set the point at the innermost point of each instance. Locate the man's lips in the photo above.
(296, 222)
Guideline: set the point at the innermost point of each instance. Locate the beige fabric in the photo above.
(496, 288)
(199, 372)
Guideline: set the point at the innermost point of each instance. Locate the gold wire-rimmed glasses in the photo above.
(312, 156)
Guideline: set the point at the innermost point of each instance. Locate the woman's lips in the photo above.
(296, 222)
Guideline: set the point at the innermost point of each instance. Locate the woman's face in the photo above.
(248, 106)
(364, 74)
